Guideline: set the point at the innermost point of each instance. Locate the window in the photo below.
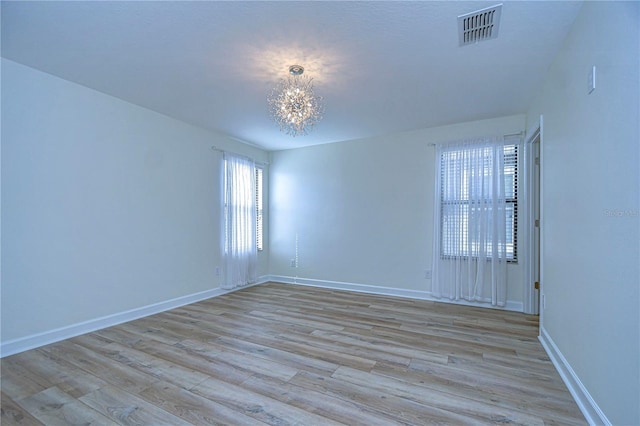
(468, 194)
(238, 202)
(240, 251)
(511, 196)
(259, 208)
(234, 194)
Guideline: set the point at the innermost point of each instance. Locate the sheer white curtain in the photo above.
(470, 242)
(239, 231)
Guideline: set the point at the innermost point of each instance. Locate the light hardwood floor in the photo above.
(281, 354)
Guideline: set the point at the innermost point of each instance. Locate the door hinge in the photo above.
(537, 223)
(536, 285)
(537, 161)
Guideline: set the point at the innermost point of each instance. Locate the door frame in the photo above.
(532, 300)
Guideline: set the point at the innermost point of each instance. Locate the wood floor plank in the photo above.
(273, 354)
(480, 391)
(254, 364)
(232, 373)
(152, 328)
(18, 382)
(159, 368)
(116, 373)
(340, 410)
(327, 350)
(295, 320)
(61, 373)
(402, 410)
(359, 346)
(284, 354)
(54, 407)
(258, 406)
(444, 401)
(194, 408)
(12, 414)
(294, 342)
(481, 380)
(128, 409)
(249, 363)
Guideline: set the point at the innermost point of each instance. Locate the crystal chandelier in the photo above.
(293, 105)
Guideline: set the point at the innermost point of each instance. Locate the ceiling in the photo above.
(382, 67)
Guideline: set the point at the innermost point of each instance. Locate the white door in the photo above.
(535, 230)
(531, 226)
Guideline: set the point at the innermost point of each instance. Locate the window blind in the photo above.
(466, 191)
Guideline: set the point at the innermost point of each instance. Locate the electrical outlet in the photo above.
(217, 271)
(293, 263)
(427, 274)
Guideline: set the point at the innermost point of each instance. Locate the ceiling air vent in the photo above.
(480, 25)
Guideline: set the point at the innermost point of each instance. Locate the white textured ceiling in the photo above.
(382, 67)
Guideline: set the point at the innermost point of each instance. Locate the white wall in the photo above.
(362, 210)
(591, 209)
(106, 206)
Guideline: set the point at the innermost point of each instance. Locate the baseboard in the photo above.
(33, 341)
(386, 291)
(586, 403)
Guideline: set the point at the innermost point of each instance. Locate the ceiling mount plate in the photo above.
(296, 69)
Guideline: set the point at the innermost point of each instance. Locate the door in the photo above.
(531, 224)
(535, 229)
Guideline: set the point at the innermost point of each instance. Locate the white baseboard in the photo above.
(51, 336)
(587, 405)
(387, 291)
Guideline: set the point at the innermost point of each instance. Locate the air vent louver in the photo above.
(480, 25)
